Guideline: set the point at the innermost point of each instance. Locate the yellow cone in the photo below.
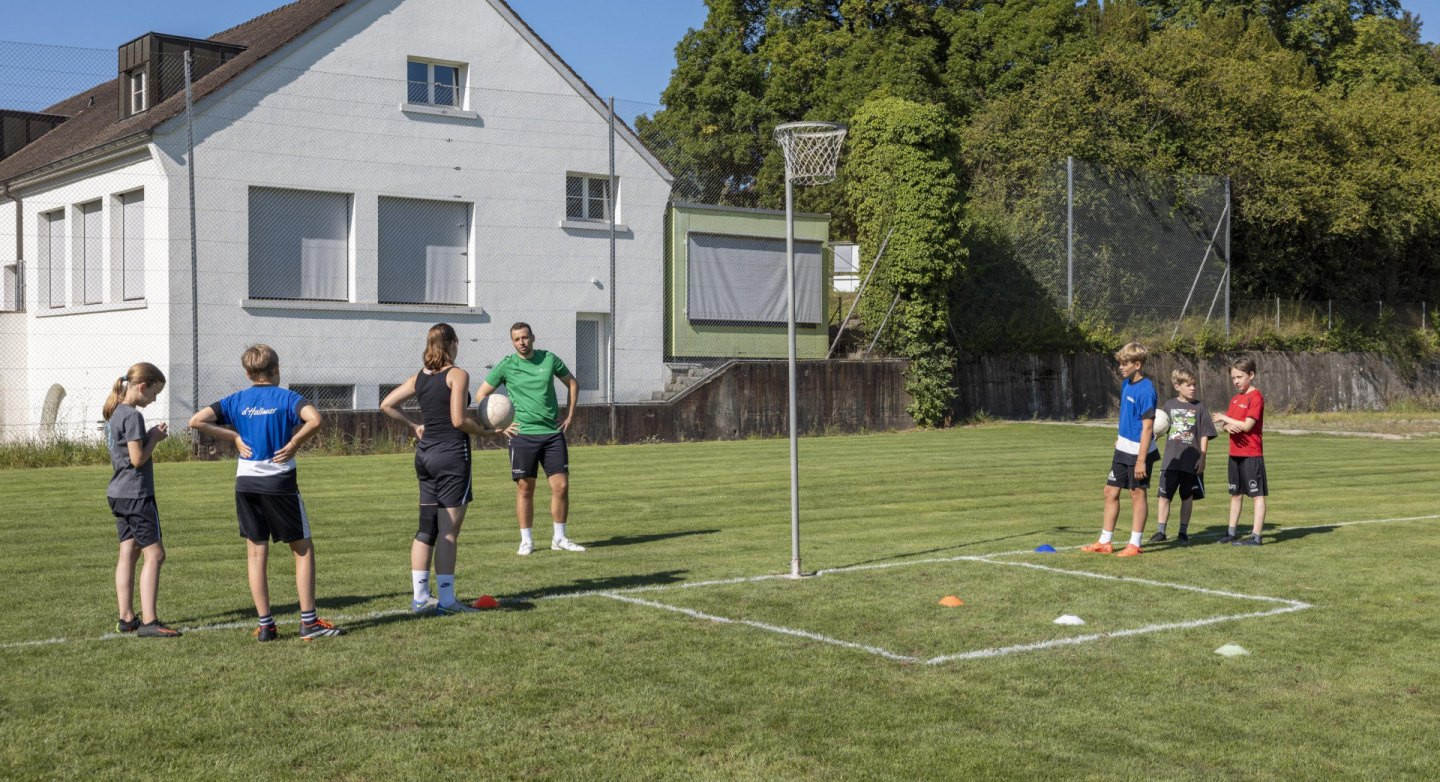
(951, 601)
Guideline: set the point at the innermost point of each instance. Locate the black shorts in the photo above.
(263, 517)
(1247, 476)
(530, 451)
(443, 469)
(1122, 474)
(136, 518)
(1188, 485)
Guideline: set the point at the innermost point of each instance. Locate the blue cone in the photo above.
(1045, 548)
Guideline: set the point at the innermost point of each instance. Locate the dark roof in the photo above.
(93, 113)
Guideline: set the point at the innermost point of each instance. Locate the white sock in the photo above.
(420, 582)
(525, 535)
(1135, 538)
(559, 530)
(1107, 535)
(447, 588)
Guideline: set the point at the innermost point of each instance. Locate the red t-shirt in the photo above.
(1250, 404)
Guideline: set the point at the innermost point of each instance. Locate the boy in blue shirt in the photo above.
(261, 420)
(1128, 469)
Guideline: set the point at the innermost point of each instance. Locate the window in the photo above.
(131, 246)
(138, 95)
(432, 83)
(742, 278)
(412, 404)
(89, 262)
(326, 397)
(11, 300)
(52, 257)
(590, 356)
(424, 251)
(587, 197)
(299, 244)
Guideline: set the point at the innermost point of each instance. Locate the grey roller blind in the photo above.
(587, 354)
(299, 244)
(132, 245)
(52, 256)
(742, 278)
(424, 248)
(90, 266)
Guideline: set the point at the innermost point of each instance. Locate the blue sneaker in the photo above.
(442, 609)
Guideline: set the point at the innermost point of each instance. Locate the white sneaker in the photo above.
(525, 548)
(565, 544)
(455, 608)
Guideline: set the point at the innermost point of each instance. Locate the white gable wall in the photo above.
(326, 116)
(84, 347)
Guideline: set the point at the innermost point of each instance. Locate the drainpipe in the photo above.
(19, 247)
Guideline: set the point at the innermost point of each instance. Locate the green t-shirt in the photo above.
(530, 382)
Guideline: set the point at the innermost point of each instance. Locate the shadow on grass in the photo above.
(631, 540)
(597, 585)
(322, 604)
(943, 549)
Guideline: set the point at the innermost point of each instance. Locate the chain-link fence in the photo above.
(199, 199)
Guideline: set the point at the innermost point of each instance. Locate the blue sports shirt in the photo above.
(265, 417)
(1137, 403)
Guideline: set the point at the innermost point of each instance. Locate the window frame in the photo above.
(458, 97)
(138, 84)
(586, 198)
(307, 390)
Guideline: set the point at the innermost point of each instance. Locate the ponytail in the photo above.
(143, 372)
(440, 344)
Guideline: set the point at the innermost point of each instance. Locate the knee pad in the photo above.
(429, 525)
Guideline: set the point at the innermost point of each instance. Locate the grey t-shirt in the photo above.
(125, 426)
(1188, 422)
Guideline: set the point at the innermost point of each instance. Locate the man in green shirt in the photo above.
(536, 436)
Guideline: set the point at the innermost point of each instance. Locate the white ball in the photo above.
(1162, 422)
(496, 412)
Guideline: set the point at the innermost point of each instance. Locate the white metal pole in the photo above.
(795, 571)
(194, 247)
(614, 199)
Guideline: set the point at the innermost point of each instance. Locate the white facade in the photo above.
(329, 113)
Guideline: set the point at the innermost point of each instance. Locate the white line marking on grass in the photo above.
(43, 642)
(1001, 651)
(1295, 604)
(690, 612)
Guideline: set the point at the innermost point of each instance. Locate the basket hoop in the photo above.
(812, 150)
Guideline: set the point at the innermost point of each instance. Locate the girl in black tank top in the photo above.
(434, 397)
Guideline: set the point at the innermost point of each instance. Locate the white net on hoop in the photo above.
(812, 150)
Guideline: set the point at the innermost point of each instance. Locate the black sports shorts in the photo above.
(278, 517)
(443, 469)
(530, 451)
(1247, 476)
(136, 518)
(1188, 485)
(1123, 474)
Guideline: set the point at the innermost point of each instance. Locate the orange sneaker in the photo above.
(1098, 548)
(1131, 550)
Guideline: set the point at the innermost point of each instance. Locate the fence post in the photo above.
(1228, 217)
(1277, 312)
(1329, 314)
(1070, 236)
(194, 239)
(610, 285)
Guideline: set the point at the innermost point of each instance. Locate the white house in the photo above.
(362, 169)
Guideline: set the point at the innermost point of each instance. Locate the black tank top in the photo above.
(434, 398)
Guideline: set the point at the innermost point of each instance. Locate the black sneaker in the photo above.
(1158, 537)
(127, 625)
(1226, 539)
(1248, 540)
(266, 633)
(319, 629)
(1183, 540)
(156, 629)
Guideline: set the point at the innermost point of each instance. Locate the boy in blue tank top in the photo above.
(262, 422)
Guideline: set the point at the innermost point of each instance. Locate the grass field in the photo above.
(661, 654)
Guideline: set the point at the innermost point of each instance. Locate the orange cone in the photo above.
(951, 601)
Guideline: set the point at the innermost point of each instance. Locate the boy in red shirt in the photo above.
(1245, 420)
